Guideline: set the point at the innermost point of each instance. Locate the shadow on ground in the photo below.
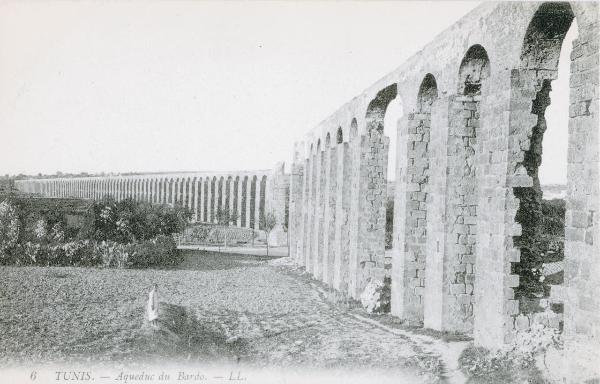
(180, 335)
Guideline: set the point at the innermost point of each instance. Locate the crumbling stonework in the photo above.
(467, 196)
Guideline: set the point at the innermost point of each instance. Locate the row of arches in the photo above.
(332, 138)
(467, 202)
(228, 199)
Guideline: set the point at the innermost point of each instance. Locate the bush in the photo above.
(9, 230)
(81, 253)
(75, 253)
(129, 221)
(374, 298)
(161, 251)
(553, 219)
(114, 234)
(479, 361)
(389, 222)
(516, 359)
(197, 234)
(113, 254)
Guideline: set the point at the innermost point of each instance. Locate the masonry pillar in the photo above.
(210, 202)
(159, 190)
(436, 265)
(304, 223)
(329, 221)
(229, 200)
(257, 203)
(192, 197)
(200, 199)
(148, 196)
(368, 195)
(296, 207)
(155, 198)
(238, 200)
(318, 254)
(247, 200)
(461, 224)
(276, 200)
(196, 197)
(410, 256)
(342, 233)
(493, 286)
(183, 191)
(167, 189)
(145, 189)
(311, 244)
(582, 226)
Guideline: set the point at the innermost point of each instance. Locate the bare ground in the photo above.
(215, 308)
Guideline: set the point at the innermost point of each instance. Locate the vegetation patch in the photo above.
(514, 363)
(108, 233)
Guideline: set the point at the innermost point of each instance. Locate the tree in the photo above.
(268, 222)
(222, 216)
(9, 228)
(233, 216)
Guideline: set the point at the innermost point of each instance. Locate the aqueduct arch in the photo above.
(466, 179)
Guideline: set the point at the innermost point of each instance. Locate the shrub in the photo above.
(9, 230)
(161, 251)
(197, 234)
(31, 253)
(113, 254)
(389, 222)
(553, 219)
(40, 230)
(81, 253)
(75, 253)
(516, 358)
(129, 221)
(479, 361)
(373, 298)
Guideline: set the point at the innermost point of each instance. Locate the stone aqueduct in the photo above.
(466, 189)
(246, 195)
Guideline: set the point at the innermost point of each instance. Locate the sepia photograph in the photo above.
(296, 192)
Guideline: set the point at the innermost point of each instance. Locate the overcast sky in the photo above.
(189, 86)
